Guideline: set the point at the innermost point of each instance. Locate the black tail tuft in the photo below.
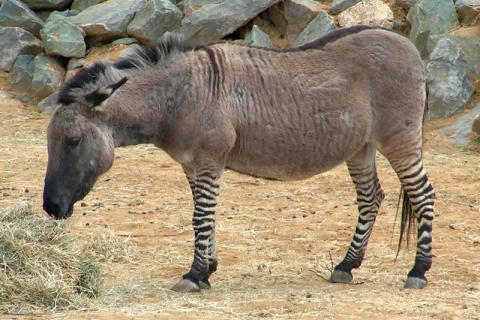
(408, 221)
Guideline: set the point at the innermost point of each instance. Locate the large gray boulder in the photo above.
(471, 50)
(321, 25)
(338, 6)
(48, 76)
(298, 13)
(109, 19)
(84, 4)
(214, 21)
(62, 38)
(367, 12)
(459, 132)
(258, 38)
(14, 13)
(21, 75)
(153, 20)
(15, 41)
(48, 104)
(468, 10)
(48, 4)
(430, 19)
(449, 86)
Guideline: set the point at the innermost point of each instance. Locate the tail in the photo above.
(408, 221)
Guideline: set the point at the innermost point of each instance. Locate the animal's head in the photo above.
(80, 145)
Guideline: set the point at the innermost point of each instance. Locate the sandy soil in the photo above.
(276, 240)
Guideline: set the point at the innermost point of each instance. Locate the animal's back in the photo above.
(300, 112)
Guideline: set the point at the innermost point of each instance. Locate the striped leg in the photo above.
(205, 192)
(419, 200)
(369, 197)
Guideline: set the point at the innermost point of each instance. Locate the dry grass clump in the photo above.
(110, 248)
(41, 266)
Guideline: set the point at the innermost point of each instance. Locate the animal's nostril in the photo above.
(50, 207)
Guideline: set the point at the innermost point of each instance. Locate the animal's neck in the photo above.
(136, 122)
(140, 111)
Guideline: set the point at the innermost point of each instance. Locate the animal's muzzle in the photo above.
(57, 208)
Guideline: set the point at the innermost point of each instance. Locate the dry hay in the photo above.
(109, 248)
(42, 267)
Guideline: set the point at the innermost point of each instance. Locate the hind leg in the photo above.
(369, 196)
(420, 200)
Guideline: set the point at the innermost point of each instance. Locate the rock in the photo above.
(457, 225)
(429, 19)
(21, 76)
(153, 20)
(405, 4)
(106, 52)
(14, 13)
(258, 38)
(74, 65)
(84, 4)
(43, 14)
(125, 41)
(48, 4)
(449, 87)
(189, 6)
(338, 6)
(277, 38)
(368, 12)
(214, 21)
(318, 27)
(108, 20)
(476, 124)
(298, 13)
(15, 41)
(63, 38)
(468, 10)
(62, 14)
(459, 132)
(48, 104)
(471, 49)
(48, 76)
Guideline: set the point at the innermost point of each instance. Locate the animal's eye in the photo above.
(73, 142)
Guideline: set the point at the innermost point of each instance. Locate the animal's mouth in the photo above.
(69, 212)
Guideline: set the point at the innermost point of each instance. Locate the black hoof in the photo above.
(339, 276)
(415, 283)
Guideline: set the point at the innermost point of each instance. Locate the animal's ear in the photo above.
(97, 97)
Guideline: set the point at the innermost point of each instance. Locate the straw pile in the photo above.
(41, 265)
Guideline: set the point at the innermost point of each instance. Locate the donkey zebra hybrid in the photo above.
(283, 114)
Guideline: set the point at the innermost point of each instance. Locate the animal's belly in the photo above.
(277, 161)
(276, 170)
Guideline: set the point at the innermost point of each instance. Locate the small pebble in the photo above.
(457, 225)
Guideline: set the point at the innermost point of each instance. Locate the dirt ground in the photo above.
(276, 241)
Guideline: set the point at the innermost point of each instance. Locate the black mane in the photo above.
(151, 55)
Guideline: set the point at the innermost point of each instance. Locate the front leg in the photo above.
(205, 192)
